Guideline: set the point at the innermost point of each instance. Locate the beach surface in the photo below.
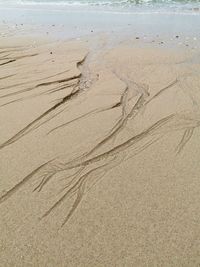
(99, 150)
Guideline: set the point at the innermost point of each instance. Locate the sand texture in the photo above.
(99, 155)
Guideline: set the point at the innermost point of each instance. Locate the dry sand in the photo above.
(99, 158)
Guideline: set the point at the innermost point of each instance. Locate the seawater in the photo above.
(173, 6)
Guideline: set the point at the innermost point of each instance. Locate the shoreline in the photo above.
(179, 37)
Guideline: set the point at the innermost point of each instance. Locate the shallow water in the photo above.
(75, 18)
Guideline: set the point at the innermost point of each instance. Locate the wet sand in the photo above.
(99, 158)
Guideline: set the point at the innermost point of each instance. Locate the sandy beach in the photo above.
(99, 150)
